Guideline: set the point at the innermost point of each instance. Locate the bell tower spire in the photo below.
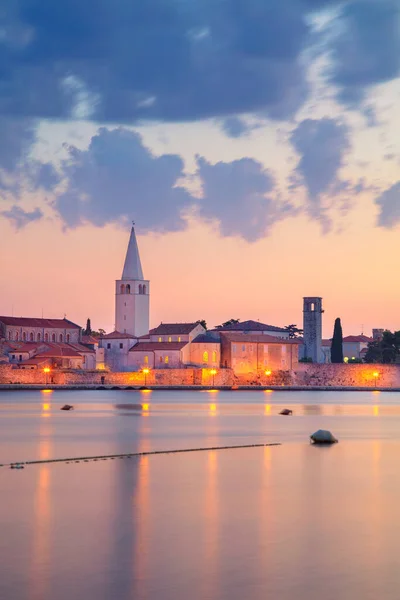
(132, 293)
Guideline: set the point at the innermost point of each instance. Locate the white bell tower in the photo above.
(132, 294)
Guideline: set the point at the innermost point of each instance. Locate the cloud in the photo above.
(123, 61)
(241, 196)
(389, 207)
(365, 47)
(19, 217)
(322, 145)
(117, 179)
(235, 127)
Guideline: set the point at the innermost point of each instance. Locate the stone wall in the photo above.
(336, 375)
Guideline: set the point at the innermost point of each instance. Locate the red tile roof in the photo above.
(117, 335)
(357, 338)
(43, 323)
(89, 339)
(154, 346)
(251, 325)
(326, 343)
(242, 338)
(173, 328)
(36, 360)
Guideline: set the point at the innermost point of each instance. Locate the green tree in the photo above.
(385, 350)
(230, 322)
(202, 322)
(337, 343)
(294, 331)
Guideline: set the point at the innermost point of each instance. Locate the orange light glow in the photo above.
(213, 371)
(146, 371)
(268, 373)
(47, 391)
(145, 406)
(145, 391)
(376, 374)
(46, 406)
(267, 409)
(376, 411)
(268, 391)
(213, 408)
(46, 370)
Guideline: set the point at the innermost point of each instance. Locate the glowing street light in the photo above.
(145, 372)
(375, 376)
(46, 371)
(213, 373)
(268, 373)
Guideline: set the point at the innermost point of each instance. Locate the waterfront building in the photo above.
(254, 353)
(312, 326)
(254, 328)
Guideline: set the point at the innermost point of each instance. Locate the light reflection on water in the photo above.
(293, 521)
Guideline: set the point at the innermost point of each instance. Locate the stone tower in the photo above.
(132, 294)
(312, 325)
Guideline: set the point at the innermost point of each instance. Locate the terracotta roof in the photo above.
(326, 343)
(36, 360)
(44, 323)
(251, 326)
(205, 338)
(241, 338)
(117, 335)
(59, 353)
(28, 346)
(79, 348)
(154, 346)
(357, 338)
(89, 339)
(173, 328)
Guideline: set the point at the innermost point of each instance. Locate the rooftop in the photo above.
(173, 328)
(41, 323)
(154, 346)
(132, 266)
(258, 339)
(357, 338)
(117, 335)
(250, 325)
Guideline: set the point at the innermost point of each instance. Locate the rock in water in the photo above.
(67, 407)
(286, 411)
(322, 436)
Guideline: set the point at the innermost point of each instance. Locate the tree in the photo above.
(294, 331)
(230, 322)
(337, 343)
(88, 330)
(386, 350)
(203, 323)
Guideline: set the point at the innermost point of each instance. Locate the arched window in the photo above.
(166, 360)
(144, 288)
(31, 337)
(38, 337)
(140, 288)
(128, 289)
(122, 289)
(61, 337)
(53, 337)
(46, 337)
(160, 339)
(214, 355)
(68, 338)
(9, 335)
(179, 339)
(17, 336)
(24, 336)
(160, 359)
(205, 357)
(146, 360)
(170, 339)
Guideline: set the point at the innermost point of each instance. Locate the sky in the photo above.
(254, 143)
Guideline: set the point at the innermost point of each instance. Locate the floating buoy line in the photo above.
(21, 464)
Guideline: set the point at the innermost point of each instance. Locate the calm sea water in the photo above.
(291, 521)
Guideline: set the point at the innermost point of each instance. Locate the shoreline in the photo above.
(258, 388)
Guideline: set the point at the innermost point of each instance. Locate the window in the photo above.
(9, 335)
(160, 339)
(144, 289)
(31, 337)
(128, 289)
(312, 306)
(146, 360)
(24, 336)
(121, 345)
(61, 338)
(214, 356)
(179, 338)
(46, 337)
(160, 359)
(53, 337)
(68, 338)
(16, 336)
(166, 359)
(122, 289)
(108, 346)
(38, 337)
(140, 288)
(13, 356)
(205, 357)
(170, 339)
(20, 357)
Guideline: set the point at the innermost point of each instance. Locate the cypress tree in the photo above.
(337, 343)
(88, 330)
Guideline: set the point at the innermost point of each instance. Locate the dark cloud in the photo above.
(20, 217)
(241, 196)
(389, 206)
(365, 49)
(117, 178)
(322, 145)
(124, 60)
(235, 127)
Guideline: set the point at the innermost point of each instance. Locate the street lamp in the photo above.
(146, 372)
(46, 371)
(376, 375)
(213, 373)
(268, 373)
